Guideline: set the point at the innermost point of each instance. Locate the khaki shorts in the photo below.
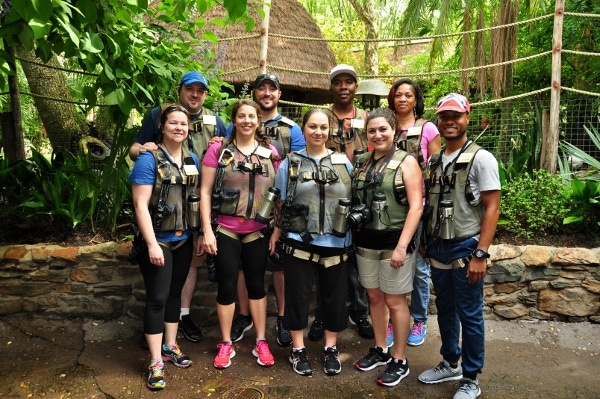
(374, 272)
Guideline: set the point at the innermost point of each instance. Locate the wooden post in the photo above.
(264, 37)
(552, 135)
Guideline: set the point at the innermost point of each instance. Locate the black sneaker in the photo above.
(174, 355)
(331, 361)
(189, 329)
(300, 362)
(316, 331)
(283, 336)
(394, 373)
(241, 324)
(365, 329)
(374, 358)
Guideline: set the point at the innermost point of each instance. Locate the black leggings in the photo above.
(253, 258)
(164, 285)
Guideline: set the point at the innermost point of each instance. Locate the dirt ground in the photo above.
(92, 359)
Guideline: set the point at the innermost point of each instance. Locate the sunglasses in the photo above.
(175, 107)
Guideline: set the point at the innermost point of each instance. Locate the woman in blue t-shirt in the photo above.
(161, 180)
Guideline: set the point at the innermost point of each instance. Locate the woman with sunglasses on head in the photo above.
(311, 182)
(421, 139)
(162, 180)
(387, 207)
(236, 176)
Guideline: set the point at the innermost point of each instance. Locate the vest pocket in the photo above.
(228, 201)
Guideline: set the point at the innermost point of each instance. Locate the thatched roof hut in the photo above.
(302, 66)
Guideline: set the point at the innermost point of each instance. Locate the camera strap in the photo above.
(374, 180)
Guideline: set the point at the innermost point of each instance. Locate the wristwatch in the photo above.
(481, 254)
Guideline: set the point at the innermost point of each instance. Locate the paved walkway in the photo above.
(43, 358)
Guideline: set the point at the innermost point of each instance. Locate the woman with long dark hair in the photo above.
(236, 176)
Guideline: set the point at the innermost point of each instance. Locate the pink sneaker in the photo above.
(263, 354)
(223, 358)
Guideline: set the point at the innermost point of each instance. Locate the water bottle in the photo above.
(378, 207)
(340, 219)
(193, 213)
(269, 200)
(446, 212)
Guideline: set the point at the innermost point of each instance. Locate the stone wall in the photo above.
(97, 281)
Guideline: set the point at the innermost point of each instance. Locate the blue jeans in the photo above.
(460, 305)
(419, 297)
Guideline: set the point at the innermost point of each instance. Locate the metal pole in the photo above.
(264, 37)
(552, 135)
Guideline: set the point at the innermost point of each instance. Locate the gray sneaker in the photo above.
(441, 373)
(468, 389)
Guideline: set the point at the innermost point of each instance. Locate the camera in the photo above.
(359, 216)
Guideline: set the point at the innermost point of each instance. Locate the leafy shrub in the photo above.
(534, 206)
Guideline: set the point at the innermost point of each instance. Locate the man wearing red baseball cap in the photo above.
(463, 194)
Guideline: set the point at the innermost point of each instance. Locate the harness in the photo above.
(201, 130)
(444, 183)
(280, 134)
(167, 207)
(220, 196)
(412, 142)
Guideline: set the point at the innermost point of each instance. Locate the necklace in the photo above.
(247, 156)
(175, 158)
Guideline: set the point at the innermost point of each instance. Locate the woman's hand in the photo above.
(398, 257)
(156, 254)
(273, 240)
(200, 245)
(210, 243)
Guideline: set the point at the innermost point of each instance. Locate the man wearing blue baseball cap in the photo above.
(205, 126)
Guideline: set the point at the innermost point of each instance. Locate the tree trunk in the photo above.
(64, 125)
(367, 14)
(12, 128)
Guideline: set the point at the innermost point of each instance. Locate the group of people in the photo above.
(364, 205)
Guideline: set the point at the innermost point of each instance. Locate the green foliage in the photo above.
(534, 206)
(66, 195)
(524, 155)
(133, 55)
(584, 204)
(585, 186)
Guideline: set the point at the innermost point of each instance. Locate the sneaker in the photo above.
(441, 373)
(390, 335)
(173, 354)
(300, 362)
(189, 329)
(365, 329)
(417, 334)
(156, 377)
(394, 373)
(241, 324)
(316, 331)
(283, 336)
(468, 389)
(226, 353)
(374, 358)
(263, 354)
(331, 361)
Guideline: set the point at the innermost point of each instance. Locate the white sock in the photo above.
(184, 312)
